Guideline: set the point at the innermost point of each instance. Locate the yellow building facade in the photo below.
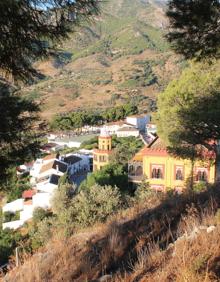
(163, 172)
(101, 156)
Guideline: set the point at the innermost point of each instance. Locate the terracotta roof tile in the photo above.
(28, 194)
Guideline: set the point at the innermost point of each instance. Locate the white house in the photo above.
(45, 175)
(13, 224)
(51, 147)
(127, 131)
(68, 143)
(14, 206)
(139, 121)
(27, 212)
(48, 185)
(44, 168)
(113, 127)
(42, 200)
(77, 162)
(24, 168)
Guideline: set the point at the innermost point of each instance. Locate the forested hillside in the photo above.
(119, 56)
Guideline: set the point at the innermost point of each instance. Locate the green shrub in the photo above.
(145, 195)
(42, 233)
(39, 214)
(10, 216)
(200, 187)
(95, 204)
(111, 174)
(8, 241)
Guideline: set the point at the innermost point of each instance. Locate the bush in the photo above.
(42, 233)
(8, 241)
(10, 216)
(111, 174)
(200, 187)
(39, 214)
(147, 196)
(95, 204)
(84, 209)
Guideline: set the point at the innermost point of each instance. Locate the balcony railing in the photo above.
(135, 178)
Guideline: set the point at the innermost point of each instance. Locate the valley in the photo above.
(118, 57)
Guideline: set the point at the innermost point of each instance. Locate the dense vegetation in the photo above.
(77, 120)
(189, 110)
(194, 28)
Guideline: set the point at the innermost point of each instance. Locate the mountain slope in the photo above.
(119, 56)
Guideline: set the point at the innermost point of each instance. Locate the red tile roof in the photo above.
(28, 194)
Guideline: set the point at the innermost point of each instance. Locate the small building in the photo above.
(162, 171)
(127, 131)
(50, 147)
(101, 156)
(139, 121)
(24, 169)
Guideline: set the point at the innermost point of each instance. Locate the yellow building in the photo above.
(163, 171)
(101, 156)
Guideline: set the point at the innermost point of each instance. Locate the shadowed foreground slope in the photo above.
(137, 246)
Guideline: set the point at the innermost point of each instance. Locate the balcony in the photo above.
(135, 172)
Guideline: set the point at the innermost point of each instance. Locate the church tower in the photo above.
(101, 156)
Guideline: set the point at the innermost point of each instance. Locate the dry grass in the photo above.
(137, 245)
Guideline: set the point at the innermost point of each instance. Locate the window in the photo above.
(95, 157)
(201, 175)
(179, 173)
(139, 171)
(131, 170)
(102, 158)
(157, 171)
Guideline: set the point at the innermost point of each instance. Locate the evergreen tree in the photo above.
(29, 30)
(19, 139)
(189, 111)
(194, 27)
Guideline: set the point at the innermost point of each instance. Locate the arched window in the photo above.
(157, 173)
(201, 175)
(154, 173)
(179, 174)
(131, 170)
(139, 170)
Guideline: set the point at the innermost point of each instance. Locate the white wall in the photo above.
(14, 206)
(27, 213)
(70, 144)
(127, 133)
(139, 121)
(45, 186)
(49, 172)
(42, 200)
(13, 224)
